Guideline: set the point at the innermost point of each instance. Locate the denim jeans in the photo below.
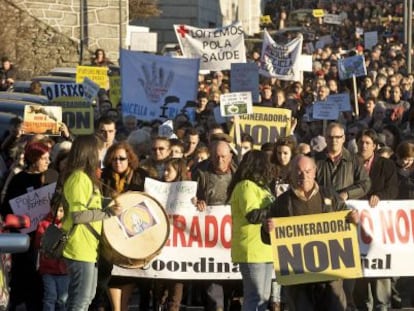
(82, 285)
(257, 281)
(55, 292)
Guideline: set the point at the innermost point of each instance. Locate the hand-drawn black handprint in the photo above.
(154, 84)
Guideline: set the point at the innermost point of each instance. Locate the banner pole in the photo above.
(355, 96)
(237, 133)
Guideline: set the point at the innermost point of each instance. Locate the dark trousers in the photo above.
(325, 296)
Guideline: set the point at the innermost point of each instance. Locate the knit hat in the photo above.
(318, 143)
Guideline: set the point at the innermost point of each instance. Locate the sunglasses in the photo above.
(121, 159)
(335, 136)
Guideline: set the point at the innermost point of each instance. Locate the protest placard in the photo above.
(144, 41)
(40, 119)
(35, 204)
(334, 19)
(199, 243)
(99, 75)
(315, 248)
(90, 88)
(245, 78)
(216, 48)
(77, 114)
(156, 87)
(56, 90)
(349, 67)
(386, 236)
(280, 60)
(115, 90)
(237, 103)
(370, 39)
(198, 248)
(342, 100)
(324, 110)
(173, 196)
(265, 124)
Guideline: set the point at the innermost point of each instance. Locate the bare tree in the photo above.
(143, 8)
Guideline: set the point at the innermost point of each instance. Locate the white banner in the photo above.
(200, 242)
(198, 248)
(281, 60)
(156, 87)
(217, 48)
(386, 237)
(35, 204)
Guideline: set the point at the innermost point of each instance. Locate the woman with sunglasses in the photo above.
(120, 174)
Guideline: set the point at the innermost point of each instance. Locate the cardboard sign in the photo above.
(352, 66)
(144, 41)
(99, 75)
(323, 110)
(245, 78)
(238, 103)
(315, 248)
(35, 204)
(40, 119)
(77, 114)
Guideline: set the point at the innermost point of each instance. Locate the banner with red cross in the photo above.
(217, 48)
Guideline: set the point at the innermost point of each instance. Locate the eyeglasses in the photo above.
(158, 148)
(121, 159)
(335, 136)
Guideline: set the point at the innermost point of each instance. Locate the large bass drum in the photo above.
(137, 236)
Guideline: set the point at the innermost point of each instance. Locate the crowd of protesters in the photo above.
(367, 156)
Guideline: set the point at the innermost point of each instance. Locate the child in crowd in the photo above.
(171, 291)
(53, 271)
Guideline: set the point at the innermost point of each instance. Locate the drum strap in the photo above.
(93, 231)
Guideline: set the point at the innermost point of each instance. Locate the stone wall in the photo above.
(42, 34)
(33, 46)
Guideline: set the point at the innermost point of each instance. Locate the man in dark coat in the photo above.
(384, 186)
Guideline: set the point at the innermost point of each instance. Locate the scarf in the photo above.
(121, 180)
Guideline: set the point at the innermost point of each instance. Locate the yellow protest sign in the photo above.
(318, 13)
(77, 114)
(265, 19)
(99, 75)
(315, 248)
(115, 90)
(265, 124)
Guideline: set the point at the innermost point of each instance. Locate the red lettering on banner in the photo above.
(396, 226)
(211, 221)
(402, 225)
(387, 227)
(226, 222)
(195, 233)
(179, 225)
(365, 220)
(192, 234)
